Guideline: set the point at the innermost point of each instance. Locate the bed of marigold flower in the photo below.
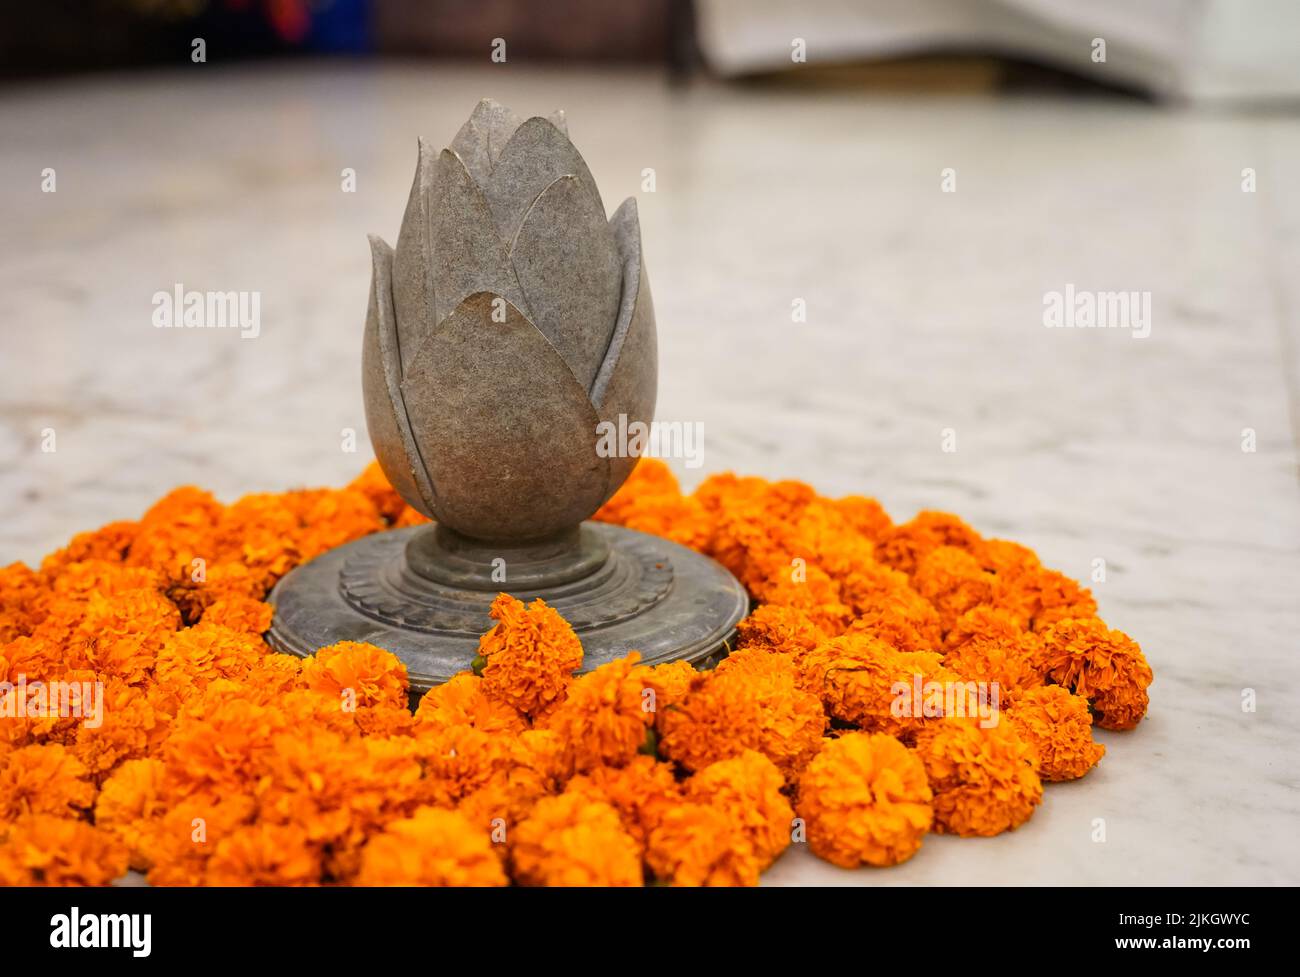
(213, 760)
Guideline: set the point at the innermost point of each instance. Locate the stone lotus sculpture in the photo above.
(510, 321)
(520, 318)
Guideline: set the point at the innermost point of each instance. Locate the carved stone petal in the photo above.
(508, 435)
(483, 137)
(567, 264)
(413, 290)
(470, 256)
(537, 154)
(386, 418)
(628, 380)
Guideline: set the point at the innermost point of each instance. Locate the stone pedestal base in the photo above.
(424, 593)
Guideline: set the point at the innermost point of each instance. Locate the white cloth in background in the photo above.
(1247, 50)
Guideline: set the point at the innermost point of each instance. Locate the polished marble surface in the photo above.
(924, 312)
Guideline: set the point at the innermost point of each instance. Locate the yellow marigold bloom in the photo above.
(1058, 726)
(530, 655)
(462, 702)
(905, 545)
(432, 847)
(694, 844)
(747, 789)
(572, 840)
(129, 802)
(751, 701)
(1104, 666)
(605, 717)
(43, 849)
(264, 854)
(865, 800)
(988, 644)
(44, 779)
(642, 792)
(862, 680)
(982, 776)
(357, 673)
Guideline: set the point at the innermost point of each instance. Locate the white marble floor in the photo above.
(924, 313)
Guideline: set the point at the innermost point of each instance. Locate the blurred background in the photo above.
(853, 212)
(1193, 49)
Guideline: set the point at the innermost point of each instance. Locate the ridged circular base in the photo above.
(651, 595)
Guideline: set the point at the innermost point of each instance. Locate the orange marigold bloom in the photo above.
(366, 675)
(865, 515)
(239, 613)
(458, 761)
(780, 629)
(128, 727)
(176, 530)
(865, 800)
(128, 804)
(862, 680)
(642, 792)
(747, 789)
(530, 655)
(605, 717)
(22, 592)
(264, 854)
(988, 644)
(672, 680)
(178, 845)
(808, 589)
(982, 776)
(1058, 726)
(109, 542)
(1104, 666)
(905, 545)
(694, 844)
(44, 779)
(432, 847)
(954, 582)
(651, 501)
(192, 658)
(122, 635)
(43, 849)
(572, 840)
(462, 702)
(751, 701)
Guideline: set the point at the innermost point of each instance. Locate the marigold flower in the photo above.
(192, 658)
(751, 701)
(642, 792)
(982, 776)
(129, 802)
(863, 681)
(651, 501)
(365, 675)
(374, 485)
(954, 582)
(671, 682)
(779, 629)
(605, 717)
(530, 655)
(44, 779)
(462, 702)
(694, 844)
(989, 645)
(239, 613)
(1104, 666)
(865, 800)
(865, 515)
(747, 789)
(42, 849)
(572, 840)
(264, 854)
(1058, 726)
(128, 726)
(432, 847)
(905, 545)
